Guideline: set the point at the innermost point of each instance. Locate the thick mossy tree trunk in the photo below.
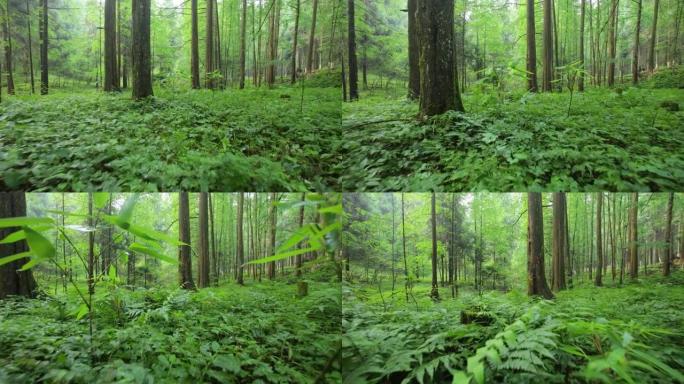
(413, 51)
(111, 76)
(184, 257)
(13, 281)
(536, 279)
(353, 65)
(141, 60)
(438, 86)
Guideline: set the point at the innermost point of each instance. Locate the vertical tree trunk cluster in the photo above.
(434, 293)
(111, 75)
(633, 236)
(312, 38)
(240, 248)
(536, 279)
(44, 49)
(203, 259)
(547, 45)
(295, 38)
(209, 50)
(353, 66)
(599, 240)
(580, 82)
(559, 241)
(243, 43)
(413, 50)
(184, 250)
(635, 49)
(531, 48)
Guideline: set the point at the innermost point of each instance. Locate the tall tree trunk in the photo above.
(612, 43)
(635, 49)
(667, 260)
(141, 58)
(580, 82)
(110, 75)
(295, 38)
(353, 66)
(273, 214)
(8, 51)
(44, 49)
(599, 240)
(434, 293)
(298, 258)
(633, 236)
(272, 45)
(312, 38)
(438, 87)
(654, 37)
(536, 279)
(184, 256)
(209, 48)
(12, 280)
(413, 50)
(531, 49)
(403, 246)
(240, 250)
(194, 46)
(30, 47)
(243, 44)
(559, 235)
(547, 50)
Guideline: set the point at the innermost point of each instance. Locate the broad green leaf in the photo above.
(123, 220)
(9, 222)
(460, 377)
(138, 247)
(337, 209)
(280, 256)
(32, 263)
(41, 247)
(112, 272)
(100, 199)
(151, 234)
(82, 311)
(9, 259)
(14, 237)
(476, 368)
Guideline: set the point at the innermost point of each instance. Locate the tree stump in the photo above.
(302, 288)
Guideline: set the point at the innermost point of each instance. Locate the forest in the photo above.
(114, 95)
(513, 288)
(170, 288)
(496, 95)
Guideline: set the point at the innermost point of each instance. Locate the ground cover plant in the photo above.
(100, 288)
(452, 288)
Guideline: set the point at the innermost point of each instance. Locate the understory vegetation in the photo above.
(229, 334)
(625, 334)
(600, 140)
(254, 139)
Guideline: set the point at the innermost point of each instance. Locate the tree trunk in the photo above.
(635, 49)
(209, 48)
(13, 281)
(611, 43)
(434, 293)
(273, 214)
(547, 50)
(654, 37)
(438, 87)
(295, 38)
(633, 236)
(243, 43)
(194, 46)
(184, 256)
(531, 49)
(413, 51)
(312, 36)
(240, 250)
(141, 60)
(536, 279)
(298, 258)
(599, 240)
(667, 260)
(203, 259)
(110, 75)
(580, 82)
(558, 242)
(353, 66)
(30, 47)
(8, 51)
(44, 49)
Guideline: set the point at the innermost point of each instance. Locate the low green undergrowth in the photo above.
(631, 334)
(609, 140)
(228, 140)
(255, 334)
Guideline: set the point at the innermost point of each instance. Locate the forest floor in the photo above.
(609, 141)
(253, 139)
(586, 334)
(259, 333)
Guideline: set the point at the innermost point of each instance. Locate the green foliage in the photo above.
(191, 140)
(609, 141)
(226, 334)
(666, 78)
(612, 335)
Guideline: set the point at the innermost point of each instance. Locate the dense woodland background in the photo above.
(172, 287)
(449, 285)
